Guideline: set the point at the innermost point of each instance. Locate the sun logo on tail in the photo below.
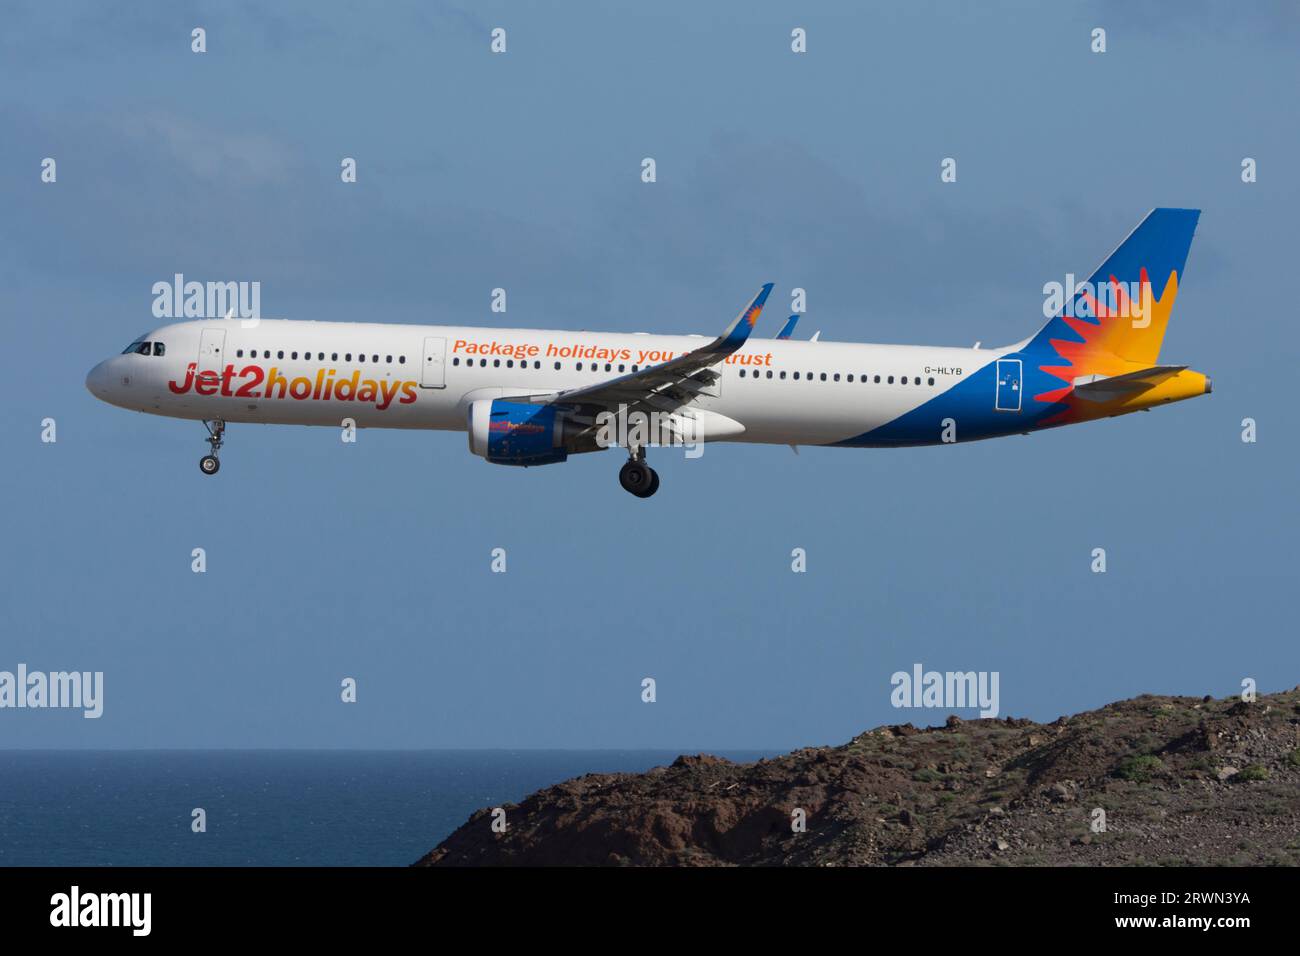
(1126, 333)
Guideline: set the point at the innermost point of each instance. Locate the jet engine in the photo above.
(516, 433)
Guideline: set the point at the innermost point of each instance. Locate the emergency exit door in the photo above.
(433, 370)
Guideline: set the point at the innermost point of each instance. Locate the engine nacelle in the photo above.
(516, 433)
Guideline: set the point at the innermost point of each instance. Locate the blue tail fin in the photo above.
(1124, 307)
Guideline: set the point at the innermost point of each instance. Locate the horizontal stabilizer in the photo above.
(1103, 388)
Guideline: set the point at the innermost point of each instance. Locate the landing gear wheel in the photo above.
(638, 478)
(209, 464)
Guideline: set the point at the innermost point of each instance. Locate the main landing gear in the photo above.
(209, 464)
(637, 477)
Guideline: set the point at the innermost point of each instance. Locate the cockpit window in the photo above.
(145, 348)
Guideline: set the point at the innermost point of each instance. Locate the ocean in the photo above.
(268, 807)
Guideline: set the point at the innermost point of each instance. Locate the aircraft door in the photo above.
(211, 345)
(1008, 395)
(433, 368)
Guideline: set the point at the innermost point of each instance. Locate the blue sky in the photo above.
(818, 171)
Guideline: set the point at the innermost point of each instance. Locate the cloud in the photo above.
(230, 157)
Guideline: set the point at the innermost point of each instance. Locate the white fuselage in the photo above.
(409, 376)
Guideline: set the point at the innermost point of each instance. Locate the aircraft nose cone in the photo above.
(97, 380)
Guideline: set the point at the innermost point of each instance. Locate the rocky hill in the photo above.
(1180, 780)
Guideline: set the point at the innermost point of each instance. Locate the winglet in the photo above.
(788, 329)
(738, 331)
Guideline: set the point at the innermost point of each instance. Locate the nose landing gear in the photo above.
(210, 464)
(637, 477)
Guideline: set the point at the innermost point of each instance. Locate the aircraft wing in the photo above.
(670, 384)
(1102, 388)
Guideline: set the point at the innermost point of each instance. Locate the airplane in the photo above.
(535, 397)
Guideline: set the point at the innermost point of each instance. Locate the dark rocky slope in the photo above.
(1182, 781)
